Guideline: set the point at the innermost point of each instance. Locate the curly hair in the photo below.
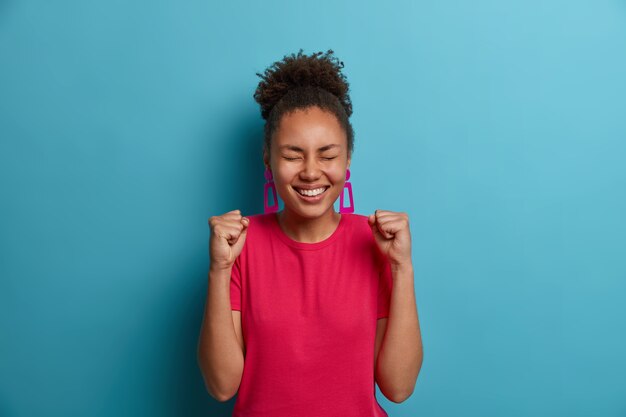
(301, 81)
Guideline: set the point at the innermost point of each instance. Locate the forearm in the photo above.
(401, 353)
(220, 356)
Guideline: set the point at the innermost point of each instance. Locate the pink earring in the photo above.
(342, 208)
(269, 184)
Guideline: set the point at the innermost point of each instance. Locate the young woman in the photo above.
(307, 308)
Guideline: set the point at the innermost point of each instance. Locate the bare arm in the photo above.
(398, 341)
(221, 347)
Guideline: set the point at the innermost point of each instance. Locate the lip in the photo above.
(311, 187)
(315, 199)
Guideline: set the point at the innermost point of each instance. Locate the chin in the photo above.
(309, 212)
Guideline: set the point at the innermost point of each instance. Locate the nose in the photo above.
(310, 171)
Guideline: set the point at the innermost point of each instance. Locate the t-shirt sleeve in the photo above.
(235, 286)
(385, 284)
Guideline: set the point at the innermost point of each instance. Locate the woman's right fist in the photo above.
(228, 234)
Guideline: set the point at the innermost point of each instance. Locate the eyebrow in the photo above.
(297, 149)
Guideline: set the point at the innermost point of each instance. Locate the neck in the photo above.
(306, 229)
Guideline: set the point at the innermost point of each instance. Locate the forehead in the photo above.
(309, 127)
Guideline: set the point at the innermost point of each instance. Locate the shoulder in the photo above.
(357, 223)
(260, 218)
(260, 224)
(258, 235)
(362, 236)
(358, 229)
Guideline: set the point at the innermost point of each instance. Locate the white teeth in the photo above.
(311, 193)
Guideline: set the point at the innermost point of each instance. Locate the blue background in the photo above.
(498, 126)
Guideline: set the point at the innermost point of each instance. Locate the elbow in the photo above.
(213, 392)
(399, 392)
(220, 391)
(400, 396)
(397, 395)
(217, 394)
(223, 398)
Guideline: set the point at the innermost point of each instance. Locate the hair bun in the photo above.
(322, 70)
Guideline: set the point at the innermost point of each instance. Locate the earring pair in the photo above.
(269, 185)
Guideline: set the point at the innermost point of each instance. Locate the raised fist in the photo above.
(228, 235)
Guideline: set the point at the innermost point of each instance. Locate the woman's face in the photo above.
(309, 150)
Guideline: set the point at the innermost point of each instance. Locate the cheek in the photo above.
(284, 176)
(337, 175)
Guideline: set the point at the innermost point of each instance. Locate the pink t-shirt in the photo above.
(309, 314)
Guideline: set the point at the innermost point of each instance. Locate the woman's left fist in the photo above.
(393, 236)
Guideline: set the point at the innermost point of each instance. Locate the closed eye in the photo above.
(293, 159)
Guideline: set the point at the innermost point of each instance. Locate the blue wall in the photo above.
(498, 126)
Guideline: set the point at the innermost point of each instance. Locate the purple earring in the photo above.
(269, 184)
(342, 208)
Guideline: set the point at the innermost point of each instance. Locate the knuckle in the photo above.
(234, 222)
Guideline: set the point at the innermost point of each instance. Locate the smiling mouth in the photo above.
(311, 193)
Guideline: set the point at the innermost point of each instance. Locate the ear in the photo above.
(266, 159)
